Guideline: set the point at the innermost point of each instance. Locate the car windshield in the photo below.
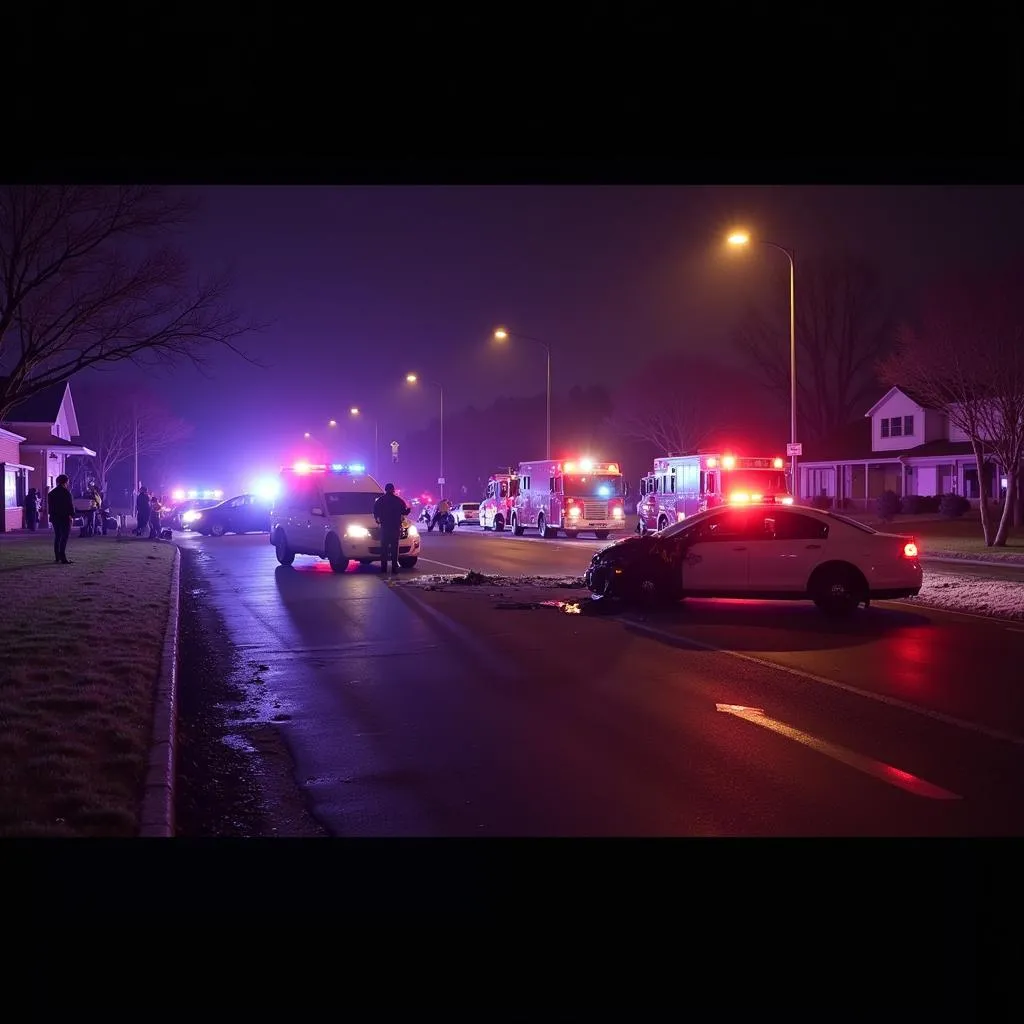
(592, 486)
(350, 503)
(851, 522)
(755, 481)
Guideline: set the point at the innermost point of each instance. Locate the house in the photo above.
(35, 441)
(902, 445)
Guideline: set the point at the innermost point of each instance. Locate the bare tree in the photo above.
(678, 404)
(86, 279)
(966, 358)
(844, 326)
(123, 425)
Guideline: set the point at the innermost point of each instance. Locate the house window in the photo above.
(896, 426)
(908, 426)
(885, 428)
(14, 487)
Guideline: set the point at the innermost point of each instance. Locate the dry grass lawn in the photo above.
(940, 535)
(81, 648)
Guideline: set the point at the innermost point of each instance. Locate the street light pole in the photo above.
(501, 334)
(739, 238)
(356, 411)
(412, 378)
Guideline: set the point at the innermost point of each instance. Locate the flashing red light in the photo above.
(910, 550)
(739, 497)
(712, 462)
(728, 462)
(778, 463)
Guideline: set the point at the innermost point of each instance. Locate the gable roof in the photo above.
(906, 392)
(44, 407)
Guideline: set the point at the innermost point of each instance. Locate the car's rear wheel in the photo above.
(284, 556)
(516, 528)
(544, 530)
(499, 524)
(837, 590)
(408, 561)
(335, 555)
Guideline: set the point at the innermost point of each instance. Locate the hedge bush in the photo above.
(887, 505)
(953, 506)
(919, 504)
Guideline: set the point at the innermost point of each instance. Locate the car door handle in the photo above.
(813, 547)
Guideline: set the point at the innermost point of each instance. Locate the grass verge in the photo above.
(954, 537)
(82, 645)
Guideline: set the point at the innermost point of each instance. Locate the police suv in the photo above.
(327, 511)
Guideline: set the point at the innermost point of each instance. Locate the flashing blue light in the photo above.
(337, 467)
(356, 468)
(604, 490)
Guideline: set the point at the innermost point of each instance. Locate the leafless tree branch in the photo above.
(87, 280)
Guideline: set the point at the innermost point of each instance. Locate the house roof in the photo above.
(853, 444)
(906, 392)
(42, 407)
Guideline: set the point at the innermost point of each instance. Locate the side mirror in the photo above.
(318, 511)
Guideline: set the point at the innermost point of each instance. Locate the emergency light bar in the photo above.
(353, 468)
(180, 494)
(732, 462)
(589, 466)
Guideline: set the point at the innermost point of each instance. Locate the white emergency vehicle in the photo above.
(679, 486)
(574, 495)
(496, 508)
(327, 511)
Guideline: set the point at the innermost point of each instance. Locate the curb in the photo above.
(157, 817)
(998, 563)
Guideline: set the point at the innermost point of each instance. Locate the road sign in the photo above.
(440, 480)
(795, 449)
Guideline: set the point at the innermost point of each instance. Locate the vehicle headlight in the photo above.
(617, 512)
(191, 516)
(413, 532)
(357, 531)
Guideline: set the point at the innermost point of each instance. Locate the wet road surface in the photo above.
(465, 711)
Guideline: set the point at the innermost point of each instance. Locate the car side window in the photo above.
(236, 503)
(794, 526)
(731, 525)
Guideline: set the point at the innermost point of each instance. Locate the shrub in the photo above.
(953, 506)
(887, 505)
(919, 504)
(821, 501)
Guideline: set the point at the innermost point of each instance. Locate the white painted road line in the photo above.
(881, 698)
(434, 561)
(868, 765)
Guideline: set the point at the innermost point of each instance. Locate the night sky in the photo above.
(364, 284)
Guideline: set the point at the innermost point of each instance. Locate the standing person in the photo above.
(389, 510)
(31, 509)
(443, 508)
(141, 511)
(60, 507)
(155, 508)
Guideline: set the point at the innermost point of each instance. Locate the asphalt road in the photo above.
(410, 711)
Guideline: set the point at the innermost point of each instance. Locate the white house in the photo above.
(902, 445)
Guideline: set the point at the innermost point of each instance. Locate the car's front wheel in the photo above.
(335, 555)
(217, 530)
(284, 556)
(408, 561)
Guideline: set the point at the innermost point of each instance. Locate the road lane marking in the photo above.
(434, 561)
(881, 698)
(868, 765)
(909, 603)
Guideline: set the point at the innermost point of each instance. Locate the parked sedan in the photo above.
(467, 514)
(174, 516)
(761, 551)
(246, 513)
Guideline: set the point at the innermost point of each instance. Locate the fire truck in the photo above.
(496, 508)
(680, 485)
(574, 495)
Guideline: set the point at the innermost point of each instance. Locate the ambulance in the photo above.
(680, 485)
(570, 495)
(496, 508)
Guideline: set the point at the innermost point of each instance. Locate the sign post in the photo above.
(794, 449)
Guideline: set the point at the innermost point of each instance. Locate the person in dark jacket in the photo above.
(31, 509)
(60, 507)
(142, 508)
(389, 510)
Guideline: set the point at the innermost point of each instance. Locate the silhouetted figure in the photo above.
(389, 510)
(141, 511)
(32, 509)
(60, 507)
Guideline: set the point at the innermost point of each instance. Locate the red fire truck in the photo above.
(574, 495)
(496, 508)
(680, 485)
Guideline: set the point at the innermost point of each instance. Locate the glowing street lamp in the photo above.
(740, 239)
(502, 334)
(412, 378)
(355, 411)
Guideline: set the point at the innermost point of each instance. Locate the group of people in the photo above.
(147, 513)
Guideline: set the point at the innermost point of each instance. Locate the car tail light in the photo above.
(910, 549)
